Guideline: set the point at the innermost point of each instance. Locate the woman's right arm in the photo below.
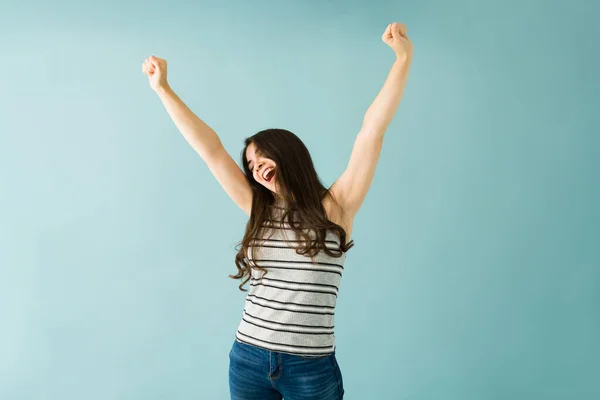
(200, 136)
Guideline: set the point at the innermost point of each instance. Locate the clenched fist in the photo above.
(156, 70)
(395, 37)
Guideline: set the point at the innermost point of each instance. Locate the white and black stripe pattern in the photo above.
(291, 309)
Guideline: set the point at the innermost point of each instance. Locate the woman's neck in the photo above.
(280, 202)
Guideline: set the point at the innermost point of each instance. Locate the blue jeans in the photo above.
(260, 374)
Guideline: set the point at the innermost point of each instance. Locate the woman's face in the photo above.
(264, 170)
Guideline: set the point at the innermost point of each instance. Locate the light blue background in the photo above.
(475, 273)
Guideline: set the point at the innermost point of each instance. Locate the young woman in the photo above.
(296, 238)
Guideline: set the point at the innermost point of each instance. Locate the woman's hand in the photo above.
(156, 70)
(395, 37)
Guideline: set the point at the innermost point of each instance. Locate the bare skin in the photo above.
(350, 189)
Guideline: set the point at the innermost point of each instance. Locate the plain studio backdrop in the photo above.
(475, 273)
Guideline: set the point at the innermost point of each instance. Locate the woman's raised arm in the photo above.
(200, 136)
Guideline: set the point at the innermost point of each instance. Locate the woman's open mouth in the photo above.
(268, 174)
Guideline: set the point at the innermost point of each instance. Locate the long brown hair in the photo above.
(300, 189)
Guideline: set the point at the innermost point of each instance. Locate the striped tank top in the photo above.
(291, 309)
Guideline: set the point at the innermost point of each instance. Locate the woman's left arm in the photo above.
(352, 186)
